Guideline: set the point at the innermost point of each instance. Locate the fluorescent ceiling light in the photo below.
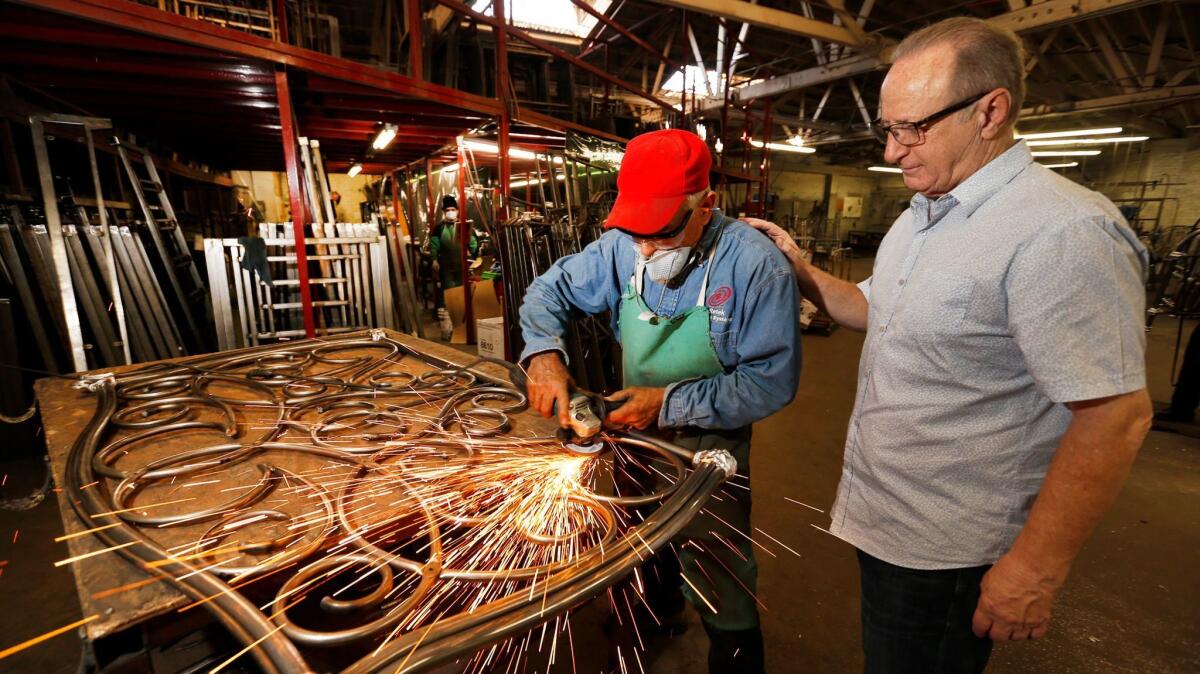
(1069, 134)
(795, 140)
(534, 181)
(702, 131)
(1066, 165)
(1087, 141)
(784, 147)
(384, 137)
(885, 169)
(1067, 153)
(355, 169)
(489, 147)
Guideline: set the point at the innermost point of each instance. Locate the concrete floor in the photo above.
(1131, 605)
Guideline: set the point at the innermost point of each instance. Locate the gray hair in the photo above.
(985, 57)
(693, 200)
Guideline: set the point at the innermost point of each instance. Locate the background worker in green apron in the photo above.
(708, 318)
(444, 245)
(446, 251)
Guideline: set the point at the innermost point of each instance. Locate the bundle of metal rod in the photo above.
(361, 461)
(1175, 281)
(169, 248)
(403, 278)
(128, 322)
(528, 247)
(351, 288)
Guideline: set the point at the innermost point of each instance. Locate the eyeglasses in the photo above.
(662, 236)
(909, 134)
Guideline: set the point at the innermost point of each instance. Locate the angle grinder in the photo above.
(587, 413)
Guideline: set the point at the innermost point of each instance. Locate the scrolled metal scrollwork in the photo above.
(363, 480)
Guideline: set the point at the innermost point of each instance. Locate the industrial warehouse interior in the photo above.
(433, 336)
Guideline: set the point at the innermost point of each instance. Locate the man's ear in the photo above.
(997, 109)
(709, 200)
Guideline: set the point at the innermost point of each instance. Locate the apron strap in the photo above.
(639, 270)
(707, 269)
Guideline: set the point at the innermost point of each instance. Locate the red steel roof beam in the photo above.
(622, 30)
(153, 21)
(555, 52)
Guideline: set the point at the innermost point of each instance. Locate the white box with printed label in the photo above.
(489, 333)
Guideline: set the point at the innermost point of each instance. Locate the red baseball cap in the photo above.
(659, 170)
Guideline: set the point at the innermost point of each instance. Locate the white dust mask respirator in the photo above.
(664, 264)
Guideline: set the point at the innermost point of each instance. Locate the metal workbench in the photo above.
(321, 417)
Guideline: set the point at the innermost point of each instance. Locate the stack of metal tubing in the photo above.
(529, 245)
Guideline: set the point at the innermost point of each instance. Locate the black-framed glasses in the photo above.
(909, 134)
(662, 236)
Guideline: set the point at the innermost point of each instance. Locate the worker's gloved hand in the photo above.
(639, 409)
(782, 240)
(549, 386)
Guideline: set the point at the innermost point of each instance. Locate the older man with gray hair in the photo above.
(1001, 390)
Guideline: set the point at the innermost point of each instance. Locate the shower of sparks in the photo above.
(509, 513)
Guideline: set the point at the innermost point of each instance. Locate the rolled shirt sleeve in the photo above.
(586, 282)
(1076, 304)
(768, 368)
(864, 286)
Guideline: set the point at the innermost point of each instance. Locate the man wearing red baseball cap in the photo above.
(707, 313)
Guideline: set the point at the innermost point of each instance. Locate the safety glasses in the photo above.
(666, 235)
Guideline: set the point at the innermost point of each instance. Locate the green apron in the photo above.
(657, 352)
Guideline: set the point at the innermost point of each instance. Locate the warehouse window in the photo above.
(548, 16)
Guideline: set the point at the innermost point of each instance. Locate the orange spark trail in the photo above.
(93, 530)
(85, 555)
(48, 635)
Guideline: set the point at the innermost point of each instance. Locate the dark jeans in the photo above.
(919, 622)
(724, 572)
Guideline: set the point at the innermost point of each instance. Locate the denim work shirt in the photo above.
(754, 316)
(989, 309)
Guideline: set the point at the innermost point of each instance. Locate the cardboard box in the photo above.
(489, 333)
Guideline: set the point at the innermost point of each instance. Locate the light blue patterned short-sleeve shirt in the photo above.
(990, 308)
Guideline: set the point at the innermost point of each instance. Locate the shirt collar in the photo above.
(976, 189)
(710, 228)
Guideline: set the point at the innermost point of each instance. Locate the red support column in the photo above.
(429, 193)
(281, 25)
(764, 171)
(299, 214)
(464, 232)
(505, 167)
(416, 57)
(747, 132)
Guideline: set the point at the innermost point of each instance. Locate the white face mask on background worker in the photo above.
(450, 215)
